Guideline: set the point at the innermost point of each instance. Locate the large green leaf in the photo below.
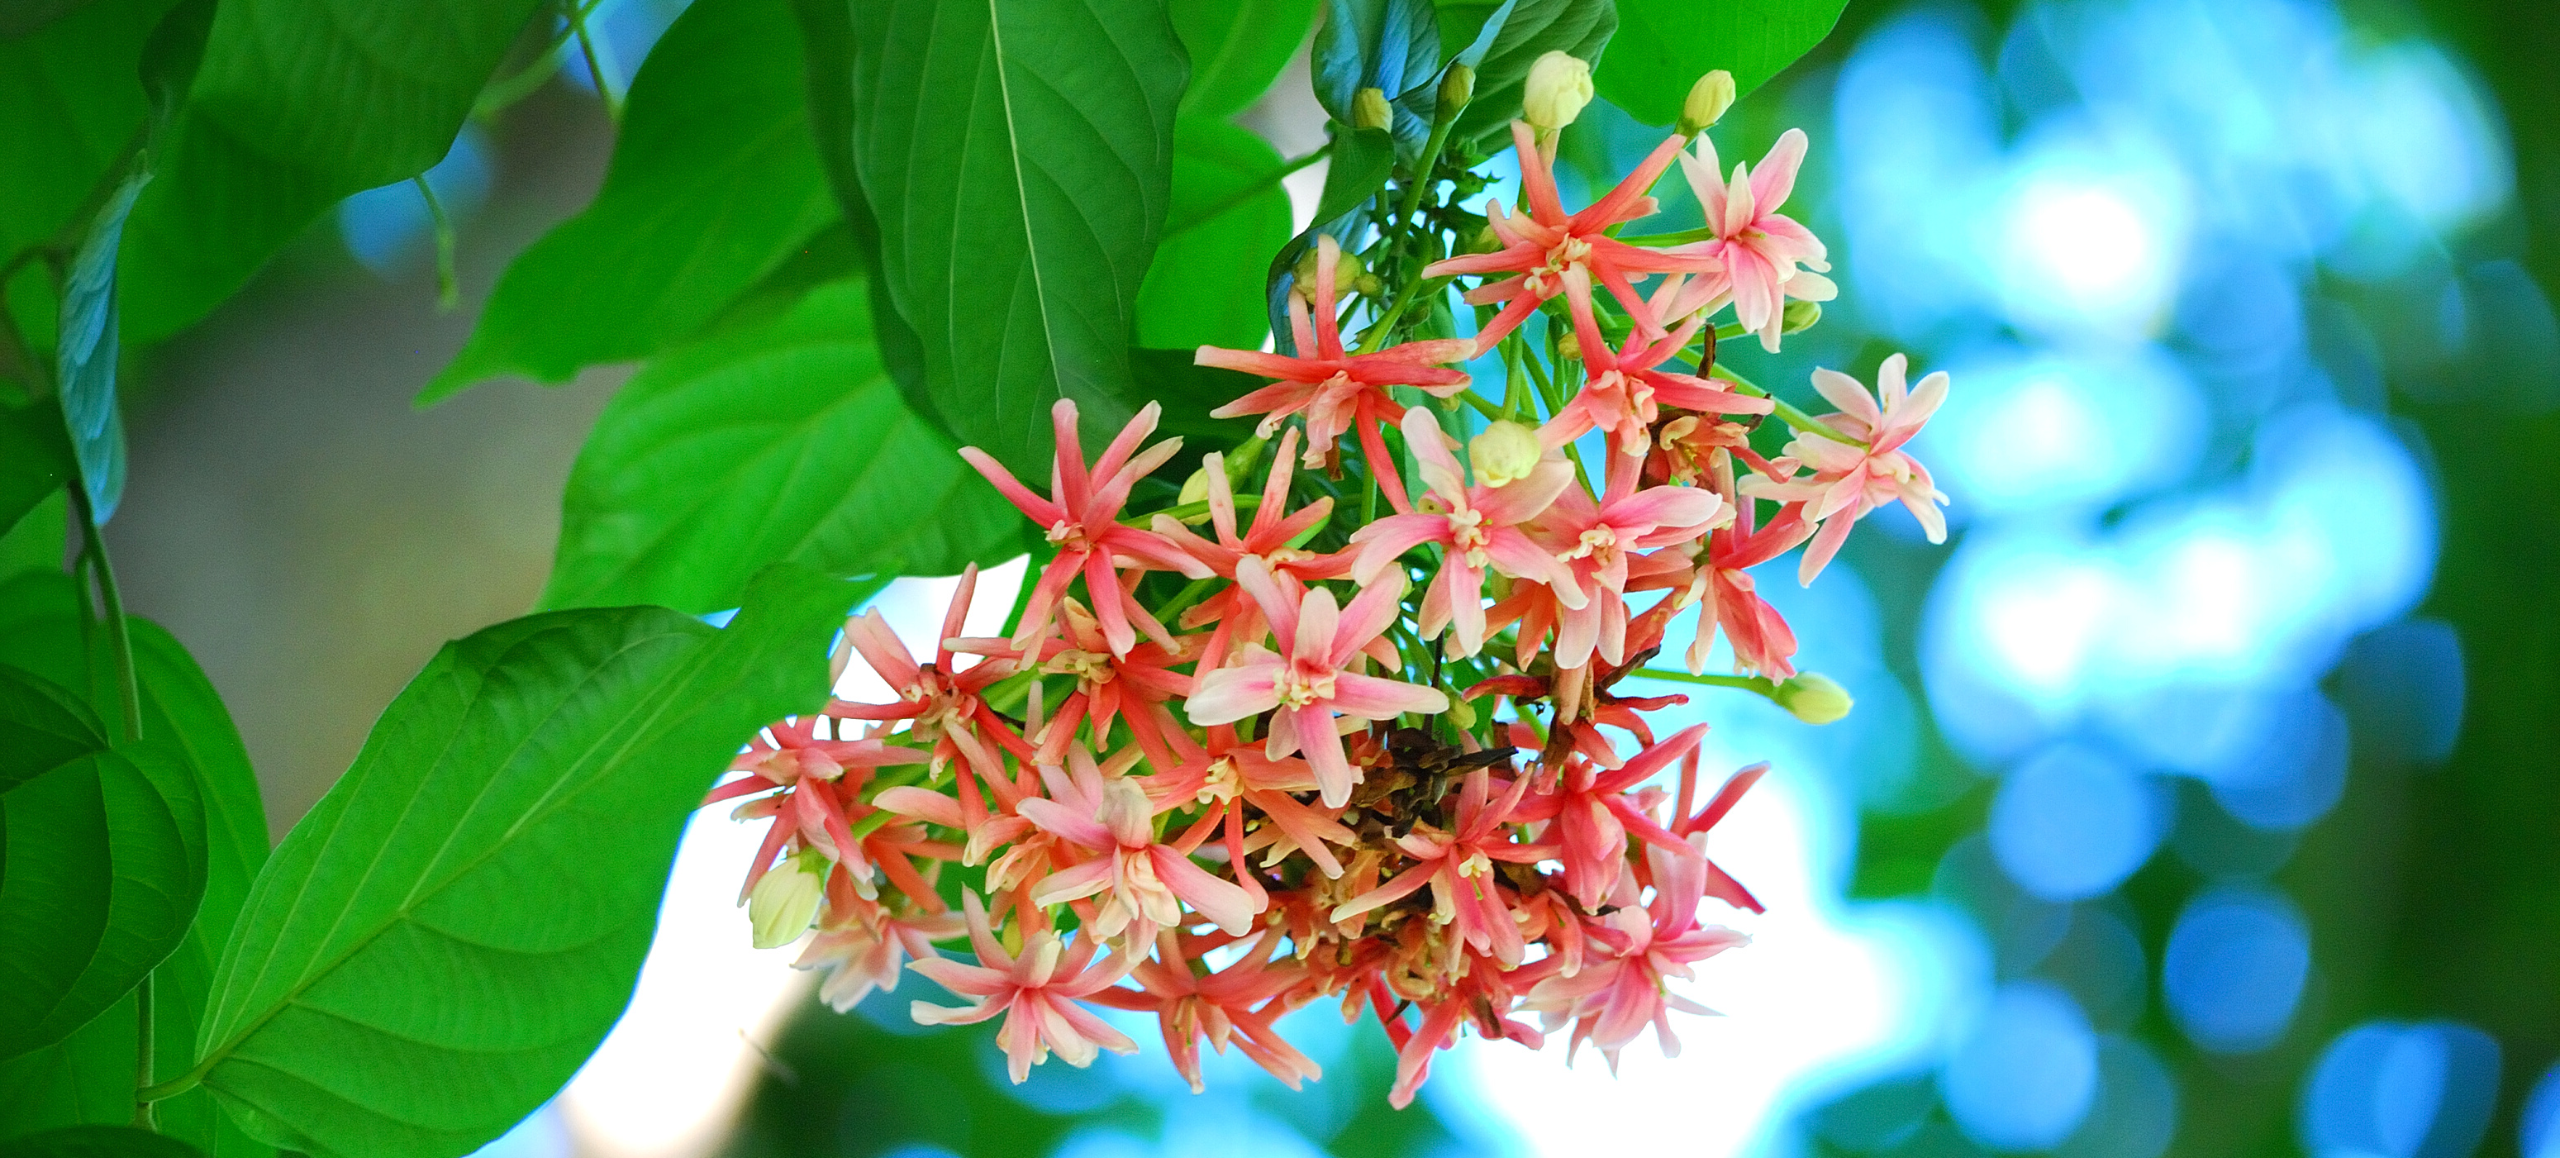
(1018, 155)
(715, 182)
(68, 108)
(88, 1077)
(1664, 46)
(105, 862)
(297, 104)
(440, 943)
(1529, 29)
(1237, 47)
(43, 726)
(97, 1142)
(778, 442)
(1229, 216)
(34, 459)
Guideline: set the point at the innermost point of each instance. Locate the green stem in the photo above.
(93, 549)
(1249, 191)
(1796, 419)
(1489, 410)
(1682, 237)
(448, 295)
(1189, 511)
(143, 1114)
(595, 68)
(1183, 599)
(1424, 170)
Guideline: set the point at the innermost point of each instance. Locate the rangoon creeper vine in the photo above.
(1218, 771)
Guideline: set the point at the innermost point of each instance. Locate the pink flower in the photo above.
(1758, 248)
(1338, 393)
(1540, 248)
(1309, 683)
(1268, 539)
(1218, 1006)
(1623, 390)
(1132, 685)
(1628, 956)
(1458, 865)
(1232, 773)
(1593, 813)
(1477, 527)
(1852, 478)
(1082, 516)
(863, 946)
(1037, 993)
(806, 770)
(1146, 882)
(1593, 541)
(942, 701)
(1719, 584)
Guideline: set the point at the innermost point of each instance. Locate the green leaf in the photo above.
(88, 1077)
(68, 108)
(34, 459)
(1188, 392)
(43, 726)
(1362, 159)
(1529, 29)
(1664, 46)
(97, 1142)
(297, 104)
(782, 442)
(1389, 45)
(440, 943)
(714, 183)
(85, 348)
(1229, 216)
(1019, 158)
(1237, 47)
(105, 862)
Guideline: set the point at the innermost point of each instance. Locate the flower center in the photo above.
(1467, 533)
(1222, 782)
(1069, 536)
(1305, 682)
(1599, 544)
(1090, 667)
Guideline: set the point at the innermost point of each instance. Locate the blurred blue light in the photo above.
(2136, 1111)
(381, 226)
(2031, 432)
(2024, 1076)
(2091, 231)
(2538, 1133)
(2394, 1090)
(621, 32)
(2297, 774)
(2071, 824)
(2234, 969)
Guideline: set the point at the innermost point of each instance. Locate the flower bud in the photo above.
(785, 900)
(1456, 89)
(1350, 275)
(1559, 85)
(1708, 100)
(1799, 316)
(1814, 698)
(1194, 489)
(1569, 347)
(1369, 109)
(1505, 453)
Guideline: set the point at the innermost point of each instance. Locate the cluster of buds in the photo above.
(1357, 735)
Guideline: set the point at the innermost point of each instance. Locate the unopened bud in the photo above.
(1799, 316)
(1814, 698)
(1559, 85)
(1369, 109)
(1350, 275)
(785, 900)
(1569, 347)
(1456, 89)
(1194, 489)
(1461, 712)
(1505, 453)
(1708, 100)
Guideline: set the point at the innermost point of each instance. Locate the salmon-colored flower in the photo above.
(1629, 956)
(1036, 992)
(1539, 247)
(862, 945)
(805, 769)
(1592, 813)
(1849, 479)
(1235, 1004)
(1624, 389)
(1765, 257)
(1477, 527)
(1144, 882)
(941, 701)
(1592, 542)
(1458, 865)
(1310, 681)
(1231, 614)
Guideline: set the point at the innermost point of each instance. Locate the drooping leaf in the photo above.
(714, 183)
(1188, 392)
(43, 726)
(780, 442)
(1237, 47)
(105, 862)
(1018, 155)
(826, 29)
(1389, 45)
(88, 1076)
(1664, 46)
(1362, 161)
(297, 104)
(35, 460)
(440, 943)
(97, 1142)
(67, 109)
(1504, 39)
(1229, 216)
(85, 348)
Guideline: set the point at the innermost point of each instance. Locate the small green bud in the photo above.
(1799, 316)
(1814, 698)
(1708, 100)
(785, 900)
(1350, 275)
(1569, 348)
(1194, 489)
(1456, 89)
(1559, 86)
(1505, 453)
(1369, 109)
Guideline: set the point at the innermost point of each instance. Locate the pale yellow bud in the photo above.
(1194, 489)
(1505, 453)
(1799, 316)
(1369, 109)
(786, 900)
(1559, 85)
(1456, 89)
(1569, 348)
(1708, 100)
(1814, 698)
(1350, 275)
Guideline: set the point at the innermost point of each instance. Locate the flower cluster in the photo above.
(1356, 734)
